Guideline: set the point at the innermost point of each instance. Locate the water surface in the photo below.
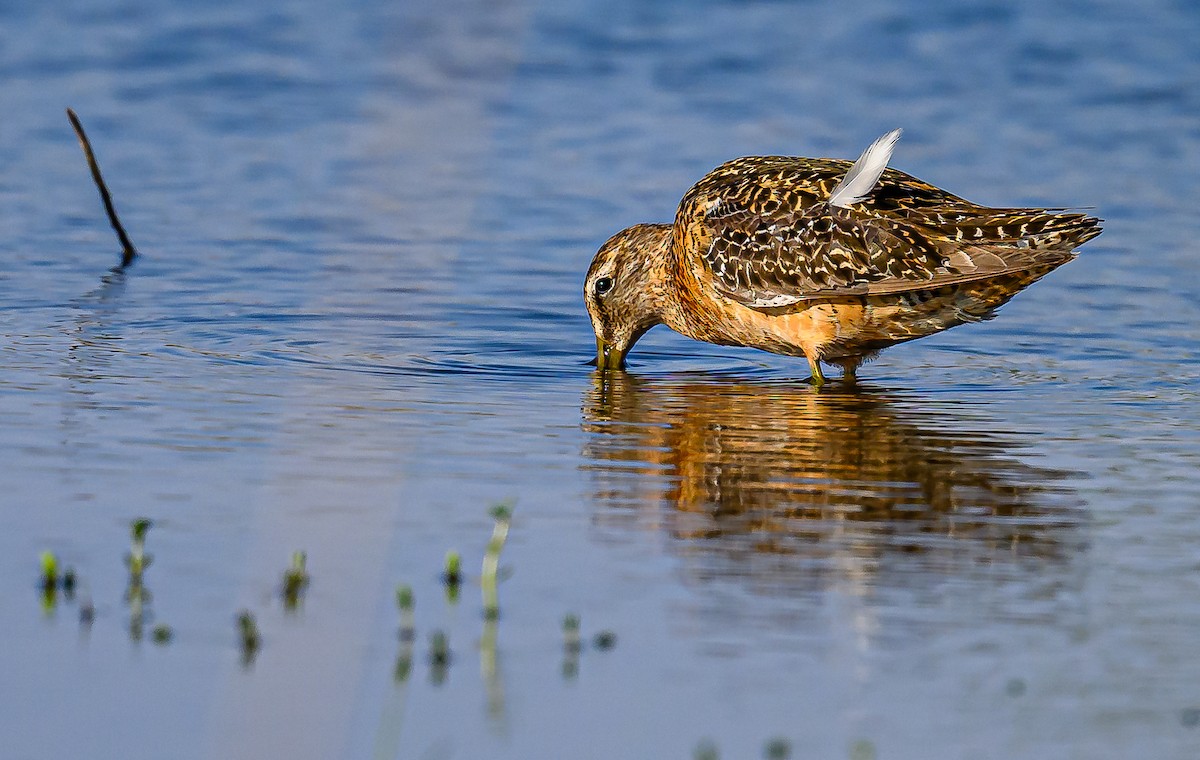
(356, 326)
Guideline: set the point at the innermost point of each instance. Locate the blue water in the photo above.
(356, 325)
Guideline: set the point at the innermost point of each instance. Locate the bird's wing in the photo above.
(776, 232)
(782, 259)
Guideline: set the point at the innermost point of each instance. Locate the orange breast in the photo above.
(704, 314)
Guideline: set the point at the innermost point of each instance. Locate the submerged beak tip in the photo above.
(607, 357)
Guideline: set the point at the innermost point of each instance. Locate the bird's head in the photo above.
(625, 288)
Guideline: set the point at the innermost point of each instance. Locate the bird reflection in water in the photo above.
(788, 487)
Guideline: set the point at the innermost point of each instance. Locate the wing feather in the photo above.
(861, 179)
(767, 232)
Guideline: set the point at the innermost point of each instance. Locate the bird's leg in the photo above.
(850, 368)
(814, 365)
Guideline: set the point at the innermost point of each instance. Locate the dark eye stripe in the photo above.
(603, 285)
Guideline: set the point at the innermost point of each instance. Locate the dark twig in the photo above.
(128, 252)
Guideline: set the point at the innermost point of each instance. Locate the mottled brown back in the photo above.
(763, 228)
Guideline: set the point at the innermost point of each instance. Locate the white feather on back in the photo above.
(862, 176)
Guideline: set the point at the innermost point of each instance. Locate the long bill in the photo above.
(608, 357)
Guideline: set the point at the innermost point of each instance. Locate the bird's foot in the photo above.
(818, 378)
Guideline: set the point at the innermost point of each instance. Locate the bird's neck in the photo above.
(676, 292)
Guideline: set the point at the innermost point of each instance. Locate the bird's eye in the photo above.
(603, 285)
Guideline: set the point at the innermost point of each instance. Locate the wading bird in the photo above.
(820, 258)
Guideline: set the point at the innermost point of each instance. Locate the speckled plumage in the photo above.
(758, 256)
